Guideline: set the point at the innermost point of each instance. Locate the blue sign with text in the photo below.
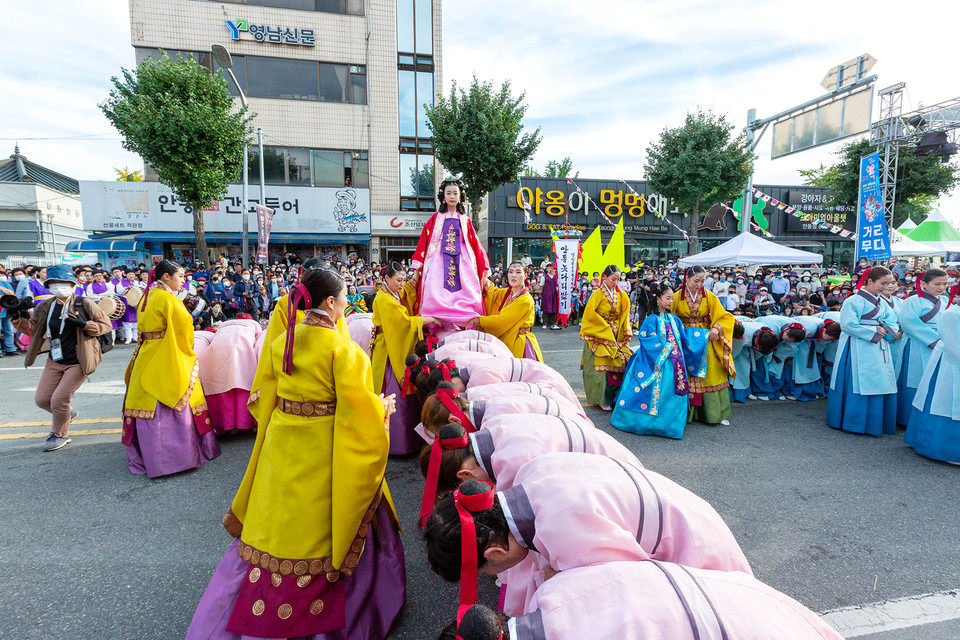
(873, 242)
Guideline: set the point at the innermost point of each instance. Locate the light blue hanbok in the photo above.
(827, 350)
(934, 427)
(766, 378)
(804, 380)
(896, 348)
(654, 396)
(919, 316)
(863, 390)
(742, 353)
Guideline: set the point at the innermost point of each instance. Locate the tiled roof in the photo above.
(17, 168)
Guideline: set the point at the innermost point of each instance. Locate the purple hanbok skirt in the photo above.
(168, 443)
(228, 411)
(529, 352)
(403, 437)
(375, 592)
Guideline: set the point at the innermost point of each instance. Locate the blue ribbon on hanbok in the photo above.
(450, 249)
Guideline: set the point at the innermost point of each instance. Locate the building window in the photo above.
(417, 181)
(415, 26)
(263, 77)
(311, 167)
(348, 7)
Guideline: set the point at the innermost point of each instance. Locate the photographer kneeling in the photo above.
(67, 326)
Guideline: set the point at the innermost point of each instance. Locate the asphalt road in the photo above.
(88, 550)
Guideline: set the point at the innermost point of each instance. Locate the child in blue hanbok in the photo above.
(827, 349)
(918, 321)
(805, 382)
(744, 329)
(893, 305)
(766, 381)
(762, 346)
(863, 391)
(934, 427)
(653, 399)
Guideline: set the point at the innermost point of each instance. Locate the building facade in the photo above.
(651, 238)
(338, 88)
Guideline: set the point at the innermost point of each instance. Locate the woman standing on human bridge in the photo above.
(510, 315)
(605, 331)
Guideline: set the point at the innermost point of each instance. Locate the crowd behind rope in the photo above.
(335, 367)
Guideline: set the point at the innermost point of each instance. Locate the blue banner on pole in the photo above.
(873, 242)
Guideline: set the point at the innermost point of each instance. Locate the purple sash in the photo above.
(679, 375)
(450, 248)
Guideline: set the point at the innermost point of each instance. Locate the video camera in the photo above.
(17, 308)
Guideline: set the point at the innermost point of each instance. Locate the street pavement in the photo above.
(90, 551)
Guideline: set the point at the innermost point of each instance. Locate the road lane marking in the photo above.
(901, 613)
(38, 434)
(44, 423)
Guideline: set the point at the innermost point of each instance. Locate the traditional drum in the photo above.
(114, 307)
(194, 304)
(133, 296)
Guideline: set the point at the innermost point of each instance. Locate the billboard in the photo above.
(825, 122)
(137, 207)
(819, 203)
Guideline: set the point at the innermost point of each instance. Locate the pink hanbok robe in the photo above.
(664, 601)
(497, 389)
(201, 340)
(562, 504)
(479, 372)
(454, 349)
(453, 264)
(469, 334)
(360, 326)
(227, 369)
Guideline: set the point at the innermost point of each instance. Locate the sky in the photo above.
(601, 84)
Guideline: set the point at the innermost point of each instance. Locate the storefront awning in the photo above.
(299, 238)
(104, 245)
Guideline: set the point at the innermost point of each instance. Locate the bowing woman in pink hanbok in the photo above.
(451, 263)
(227, 367)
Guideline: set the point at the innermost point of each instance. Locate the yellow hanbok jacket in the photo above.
(396, 331)
(276, 327)
(314, 482)
(605, 327)
(163, 367)
(707, 313)
(508, 322)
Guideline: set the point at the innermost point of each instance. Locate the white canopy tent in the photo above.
(903, 246)
(747, 249)
(906, 226)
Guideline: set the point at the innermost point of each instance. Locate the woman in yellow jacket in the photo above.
(605, 331)
(317, 547)
(510, 314)
(396, 331)
(165, 424)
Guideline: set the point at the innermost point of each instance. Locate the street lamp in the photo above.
(222, 56)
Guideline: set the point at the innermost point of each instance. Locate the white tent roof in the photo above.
(750, 249)
(907, 225)
(901, 245)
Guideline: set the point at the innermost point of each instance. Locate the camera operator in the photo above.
(67, 326)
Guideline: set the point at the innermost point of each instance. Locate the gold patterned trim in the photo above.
(305, 566)
(185, 400)
(199, 409)
(153, 335)
(318, 320)
(603, 341)
(139, 413)
(232, 524)
(697, 387)
(254, 397)
(609, 368)
(314, 409)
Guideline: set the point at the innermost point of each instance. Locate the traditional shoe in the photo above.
(751, 397)
(606, 407)
(725, 422)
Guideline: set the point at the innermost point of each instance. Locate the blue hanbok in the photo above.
(803, 378)
(934, 427)
(919, 316)
(766, 378)
(863, 390)
(896, 348)
(827, 349)
(653, 399)
(742, 354)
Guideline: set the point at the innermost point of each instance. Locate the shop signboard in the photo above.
(399, 223)
(819, 204)
(136, 207)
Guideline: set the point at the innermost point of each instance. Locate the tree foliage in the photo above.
(126, 175)
(699, 164)
(478, 134)
(179, 117)
(920, 181)
(554, 169)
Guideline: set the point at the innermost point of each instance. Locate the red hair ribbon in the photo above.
(462, 611)
(432, 342)
(151, 278)
(756, 338)
(792, 325)
(466, 507)
(819, 334)
(297, 293)
(863, 279)
(446, 398)
(406, 386)
(433, 471)
(920, 291)
(445, 367)
(954, 293)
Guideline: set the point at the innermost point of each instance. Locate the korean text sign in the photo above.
(873, 242)
(566, 250)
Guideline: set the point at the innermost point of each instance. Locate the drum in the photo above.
(134, 296)
(113, 306)
(194, 304)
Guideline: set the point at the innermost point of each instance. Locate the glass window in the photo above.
(328, 168)
(274, 166)
(425, 176)
(351, 7)
(298, 167)
(361, 170)
(277, 78)
(239, 71)
(355, 7)
(408, 104)
(405, 58)
(358, 84)
(405, 25)
(424, 27)
(424, 96)
(408, 175)
(333, 82)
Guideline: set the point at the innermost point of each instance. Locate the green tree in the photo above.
(179, 117)
(126, 175)
(479, 135)
(920, 181)
(699, 163)
(554, 169)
